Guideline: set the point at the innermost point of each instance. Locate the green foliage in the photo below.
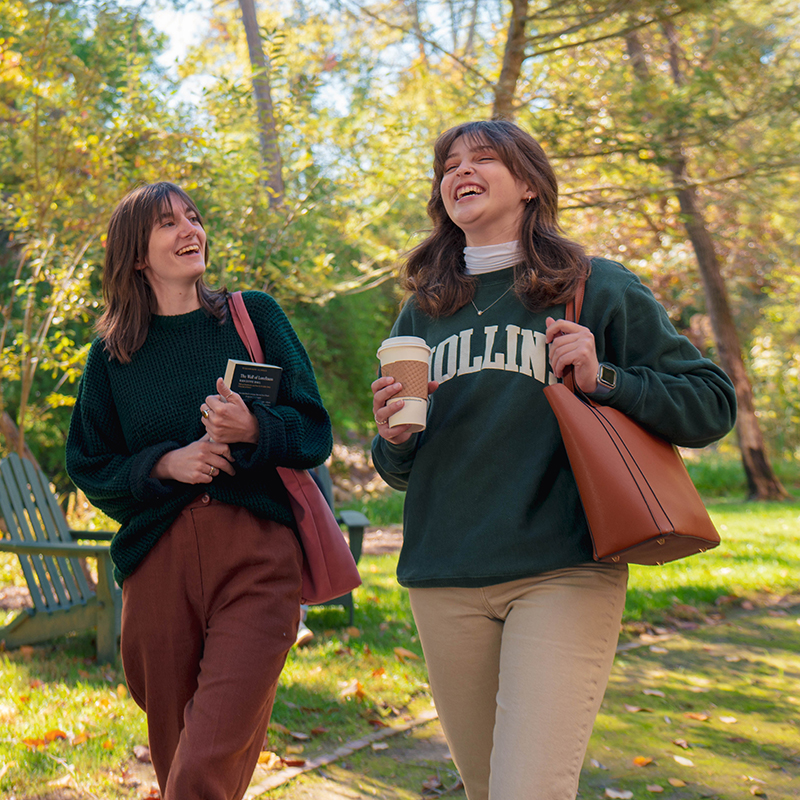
(360, 93)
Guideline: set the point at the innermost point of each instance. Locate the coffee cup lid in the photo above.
(403, 341)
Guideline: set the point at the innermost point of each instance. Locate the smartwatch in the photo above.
(606, 379)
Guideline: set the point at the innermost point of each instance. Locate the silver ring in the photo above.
(204, 412)
(211, 471)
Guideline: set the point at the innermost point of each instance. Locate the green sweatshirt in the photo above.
(127, 416)
(490, 495)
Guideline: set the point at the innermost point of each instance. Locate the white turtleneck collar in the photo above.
(492, 257)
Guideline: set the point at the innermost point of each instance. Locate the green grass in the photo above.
(349, 681)
(385, 508)
(759, 557)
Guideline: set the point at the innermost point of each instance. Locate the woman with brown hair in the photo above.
(206, 554)
(517, 622)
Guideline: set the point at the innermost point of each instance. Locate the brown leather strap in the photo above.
(573, 314)
(244, 326)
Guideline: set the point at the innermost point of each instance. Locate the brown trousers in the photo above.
(207, 621)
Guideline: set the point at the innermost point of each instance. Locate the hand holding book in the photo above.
(227, 418)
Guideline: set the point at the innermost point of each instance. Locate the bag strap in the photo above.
(573, 314)
(244, 327)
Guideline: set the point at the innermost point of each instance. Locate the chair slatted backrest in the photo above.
(33, 515)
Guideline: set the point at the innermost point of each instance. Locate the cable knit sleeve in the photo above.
(97, 458)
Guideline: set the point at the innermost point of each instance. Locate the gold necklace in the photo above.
(481, 313)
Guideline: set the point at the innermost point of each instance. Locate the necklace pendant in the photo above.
(480, 313)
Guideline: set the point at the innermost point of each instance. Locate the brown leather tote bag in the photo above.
(640, 503)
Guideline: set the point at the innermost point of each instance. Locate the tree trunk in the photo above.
(513, 58)
(14, 441)
(762, 483)
(267, 132)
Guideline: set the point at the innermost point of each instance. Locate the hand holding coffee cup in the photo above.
(406, 360)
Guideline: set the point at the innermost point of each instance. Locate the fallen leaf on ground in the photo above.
(33, 742)
(654, 692)
(378, 723)
(319, 730)
(108, 744)
(728, 720)
(619, 794)
(294, 762)
(6, 767)
(301, 737)
(353, 689)
(676, 782)
(380, 746)
(353, 631)
(80, 738)
(655, 788)
(757, 791)
(376, 673)
(276, 726)
(36, 683)
(684, 762)
(403, 654)
(597, 765)
(54, 734)
(122, 691)
(295, 749)
(60, 783)
(642, 761)
(269, 760)
(696, 715)
(681, 743)
(637, 709)
(660, 650)
(432, 783)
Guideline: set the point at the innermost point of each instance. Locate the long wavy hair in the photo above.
(434, 271)
(129, 299)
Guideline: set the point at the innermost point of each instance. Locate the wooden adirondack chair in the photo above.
(354, 521)
(49, 555)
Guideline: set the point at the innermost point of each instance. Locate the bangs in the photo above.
(161, 202)
(481, 134)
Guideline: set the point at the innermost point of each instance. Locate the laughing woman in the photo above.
(206, 554)
(517, 623)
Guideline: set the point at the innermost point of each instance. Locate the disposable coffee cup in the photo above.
(407, 360)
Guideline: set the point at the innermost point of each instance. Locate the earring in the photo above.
(528, 199)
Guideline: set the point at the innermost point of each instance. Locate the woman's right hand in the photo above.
(383, 390)
(198, 462)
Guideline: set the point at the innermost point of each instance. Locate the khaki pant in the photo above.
(207, 621)
(518, 671)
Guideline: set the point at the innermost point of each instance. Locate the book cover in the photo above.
(253, 381)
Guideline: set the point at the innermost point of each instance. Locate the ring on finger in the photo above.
(211, 471)
(379, 422)
(204, 412)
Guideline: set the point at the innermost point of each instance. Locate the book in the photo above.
(253, 381)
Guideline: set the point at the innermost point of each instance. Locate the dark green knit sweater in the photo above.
(129, 415)
(490, 495)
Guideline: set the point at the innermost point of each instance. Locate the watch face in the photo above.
(607, 376)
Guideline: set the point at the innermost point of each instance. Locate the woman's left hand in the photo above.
(573, 344)
(227, 418)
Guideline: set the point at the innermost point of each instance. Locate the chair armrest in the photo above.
(97, 536)
(353, 519)
(66, 549)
